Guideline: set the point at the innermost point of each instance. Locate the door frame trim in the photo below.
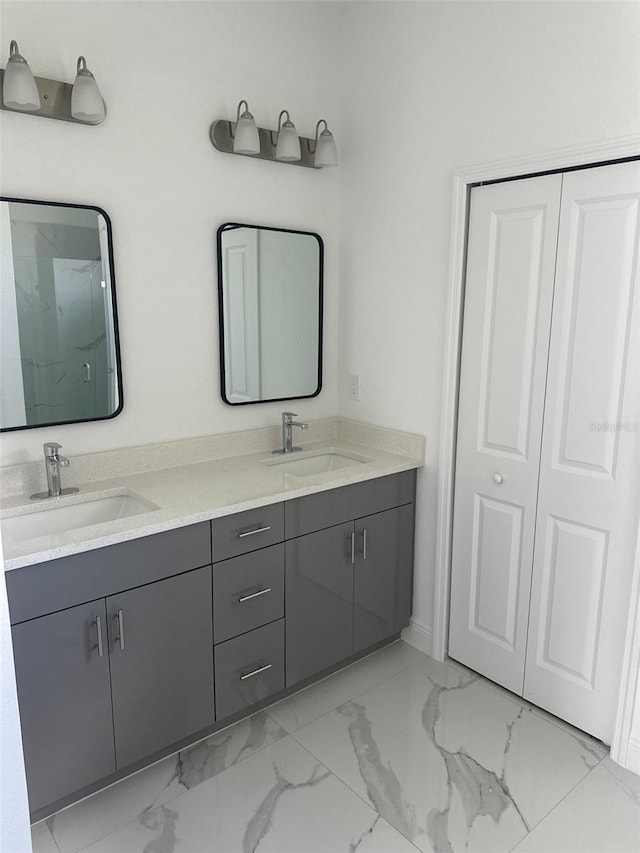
(463, 179)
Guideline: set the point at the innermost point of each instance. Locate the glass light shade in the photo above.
(246, 139)
(19, 90)
(288, 147)
(86, 100)
(326, 151)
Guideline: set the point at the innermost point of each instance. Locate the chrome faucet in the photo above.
(53, 461)
(287, 424)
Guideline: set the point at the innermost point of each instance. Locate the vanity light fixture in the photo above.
(81, 102)
(19, 90)
(282, 145)
(86, 101)
(326, 153)
(288, 147)
(245, 136)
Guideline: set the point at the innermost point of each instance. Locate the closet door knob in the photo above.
(497, 479)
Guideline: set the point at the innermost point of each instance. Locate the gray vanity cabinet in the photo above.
(62, 672)
(114, 658)
(160, 649)
(115, 648)
(349, 585)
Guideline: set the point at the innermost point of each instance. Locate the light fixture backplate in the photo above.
(221, 134)
(55, 100)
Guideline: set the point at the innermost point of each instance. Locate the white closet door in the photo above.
(589, 505)
(241, 315)
(508, 297)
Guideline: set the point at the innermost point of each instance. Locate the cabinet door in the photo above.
(507, 317)
(319, 596)
(589, 494)
(62, 671)
(383, 570)
(161, 647)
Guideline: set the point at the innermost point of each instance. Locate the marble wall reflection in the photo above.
(60, 366)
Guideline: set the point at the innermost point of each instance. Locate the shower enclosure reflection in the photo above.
(59, 356)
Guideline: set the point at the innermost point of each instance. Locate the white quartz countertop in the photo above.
(189, 494)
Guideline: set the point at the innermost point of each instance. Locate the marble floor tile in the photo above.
(450, 763)
(42, 840)
(588, 741)
(600, 815)
(314, 701)
(280, 800)
(136, 795)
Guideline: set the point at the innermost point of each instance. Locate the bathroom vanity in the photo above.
(128, 652)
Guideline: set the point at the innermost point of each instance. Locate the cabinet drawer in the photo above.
(248, 591)
(47, 587)
(326, 509)
(246, 531)
(249, 669)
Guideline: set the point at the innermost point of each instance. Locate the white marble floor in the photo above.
(396, 753)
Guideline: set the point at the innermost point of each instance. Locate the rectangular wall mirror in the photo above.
(59, 352)
(270, 302)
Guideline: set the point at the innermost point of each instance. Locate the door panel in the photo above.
(509, 291)
(573, 579)
(242, 310)
(65, 701)
(384, 558)
(589, 499)
(319, 596)
(161, 647)
(495, 570)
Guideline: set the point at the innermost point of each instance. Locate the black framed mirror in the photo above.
(270, 289)
(59, 347)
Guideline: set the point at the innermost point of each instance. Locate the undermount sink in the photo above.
(312, 462)
(55, 517)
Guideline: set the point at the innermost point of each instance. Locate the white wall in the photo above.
(166, 71)
(288, 276)
(428, 88)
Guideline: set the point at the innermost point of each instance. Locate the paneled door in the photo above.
(507, 317)
(242, 315)
(589, 498)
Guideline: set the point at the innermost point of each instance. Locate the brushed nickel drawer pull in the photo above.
(255, 671)
(353, 548)
(119, 617)
(364, 544)
(254, 595)
(98, 624)
(253, 532)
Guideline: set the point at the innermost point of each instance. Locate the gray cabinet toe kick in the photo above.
(127, 653)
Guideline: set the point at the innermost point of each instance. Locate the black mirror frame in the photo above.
(228, 226)
(114, 307)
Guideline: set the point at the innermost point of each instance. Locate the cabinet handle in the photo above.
(353, 548)
(363, 533)
(98, 624)
(253, 532)
(86, 372)
(255, 671)
(254, 595)
(120, 638)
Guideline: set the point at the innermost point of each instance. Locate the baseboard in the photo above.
(633, 756)
(418, 636)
